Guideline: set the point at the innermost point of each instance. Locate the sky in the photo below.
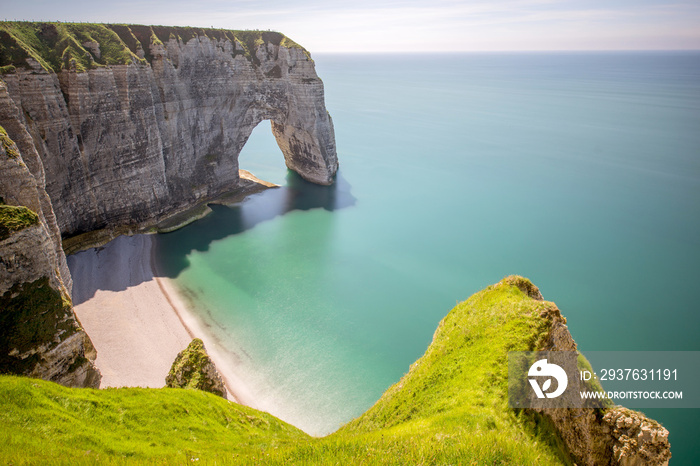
(408, 25)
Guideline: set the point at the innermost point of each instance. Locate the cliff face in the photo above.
(116, 128)
(23, 179)
(614, 435)
(39, 333)
(128, 138)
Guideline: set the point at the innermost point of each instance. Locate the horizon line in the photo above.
(443, 52)
(401, 51)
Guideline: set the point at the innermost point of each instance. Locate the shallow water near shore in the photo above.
(580, 171)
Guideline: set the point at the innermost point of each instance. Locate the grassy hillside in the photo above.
(451, 408)
(41, 422)
(58, 46)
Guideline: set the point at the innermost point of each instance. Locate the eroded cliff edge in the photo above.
(459, 387)
(40, 335)
(136, 123)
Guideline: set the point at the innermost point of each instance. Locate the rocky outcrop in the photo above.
(194, 369)
(139, 123)
(637, 440)
(39, 334)
(597, 436)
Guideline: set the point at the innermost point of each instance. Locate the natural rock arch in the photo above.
(125, 146)
(113, 137)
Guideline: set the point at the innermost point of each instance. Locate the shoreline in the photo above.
(136, 320)
(248, 184)
(221, 358)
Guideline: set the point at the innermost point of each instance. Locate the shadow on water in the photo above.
(172, 248)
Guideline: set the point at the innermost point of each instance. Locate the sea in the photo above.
(578, 170)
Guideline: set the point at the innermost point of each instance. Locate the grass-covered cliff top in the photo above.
(58, 46)
(451, 408)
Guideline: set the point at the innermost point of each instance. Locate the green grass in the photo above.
(42, 422)
(58, 46)
(113, 51)
(451, 408)
(459, 387)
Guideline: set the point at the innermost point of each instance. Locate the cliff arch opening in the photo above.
(262, 156)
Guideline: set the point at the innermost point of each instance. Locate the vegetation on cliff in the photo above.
(44, 423)
(193, 368)
(32, 315)
(8, 144)
(83, 46)
(15, 218)
(451, 407)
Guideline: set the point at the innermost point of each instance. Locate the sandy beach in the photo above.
(135, 319)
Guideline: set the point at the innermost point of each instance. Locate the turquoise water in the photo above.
(580, 171)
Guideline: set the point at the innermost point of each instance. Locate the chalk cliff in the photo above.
(39, 333)
(135, 123)
(111, 129)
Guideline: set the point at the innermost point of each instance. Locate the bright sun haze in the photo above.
(411, 26)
